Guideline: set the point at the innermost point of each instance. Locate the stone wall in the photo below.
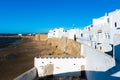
(69, 46)
(58, 67)
(42, 37)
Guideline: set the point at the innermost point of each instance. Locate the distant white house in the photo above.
(74, 34)
(20, 35)
(60, 32)
(57, 33)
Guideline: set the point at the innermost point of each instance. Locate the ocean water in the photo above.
(8, 34)
(8, 40)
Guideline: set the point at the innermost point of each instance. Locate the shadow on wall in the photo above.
(66, 76)
(117, 52)
(107, 75)
(110, 52)
(86, 75)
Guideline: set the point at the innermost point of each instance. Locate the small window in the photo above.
(75, 37)
(108, 36)
(115, 24)
(108, 20)
(81, 35)
(88, 28)
(91, 25)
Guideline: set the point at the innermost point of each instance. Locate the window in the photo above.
(91, 25)
(81, 35)
(115, 24)
(75, 37)
(108, 20)
(88, 28)
(108, 36)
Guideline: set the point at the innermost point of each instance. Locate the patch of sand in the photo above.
(25, 52)
(24, 57)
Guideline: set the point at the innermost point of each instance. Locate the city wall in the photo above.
(41, 37)
(56, 66)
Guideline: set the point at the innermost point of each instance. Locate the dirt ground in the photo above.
(20, 58)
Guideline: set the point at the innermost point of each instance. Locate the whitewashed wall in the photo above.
(60, 65)
(71, 33)
(95, 60)
(74, 33)
(114, 17)
(57, 32)
(100, 21)
(60, 32)
(98, 64)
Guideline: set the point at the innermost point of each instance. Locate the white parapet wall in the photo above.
(99, 66)
(29, 75)
(57, 66)
(96, 60)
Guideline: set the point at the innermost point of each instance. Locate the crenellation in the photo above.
(60, 64)
(59, 57)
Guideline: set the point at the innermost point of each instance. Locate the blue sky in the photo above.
(29, 16)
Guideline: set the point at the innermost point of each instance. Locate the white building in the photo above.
(57, 33)
(74, 34)
(60, 32)
(102, 31)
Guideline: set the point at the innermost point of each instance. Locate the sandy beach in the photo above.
(20, 58)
